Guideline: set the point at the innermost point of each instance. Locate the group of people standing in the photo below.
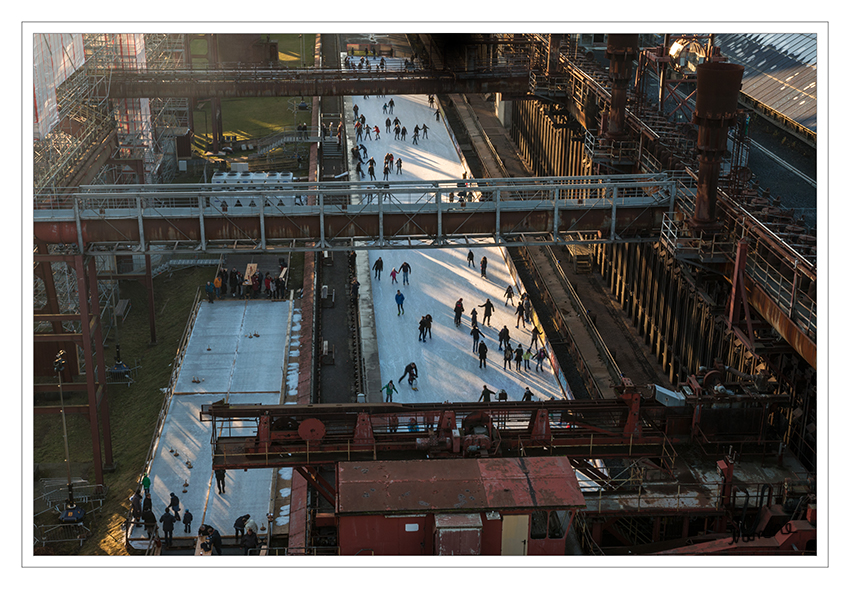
(141, 511)
(257, 286)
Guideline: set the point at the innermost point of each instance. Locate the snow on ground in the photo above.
(448, 368)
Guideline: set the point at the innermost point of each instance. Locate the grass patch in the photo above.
(133, 410)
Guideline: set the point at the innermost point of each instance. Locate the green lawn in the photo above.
(252, 118)
(133, 410)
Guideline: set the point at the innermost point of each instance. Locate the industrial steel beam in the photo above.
(270, 218)
(511, 80)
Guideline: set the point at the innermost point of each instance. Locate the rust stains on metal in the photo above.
(457, 485)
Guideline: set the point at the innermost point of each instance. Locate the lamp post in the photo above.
(72, 513)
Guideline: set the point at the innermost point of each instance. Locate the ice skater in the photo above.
(398, 166)
(518, 358)
(410, 372)
(386, 172)
(425, 131)
(428, 320)
(486, 395)
(391, 104)
(527, 396)
(378, 266)
(438, 115)
(540, 356)
(535, 338)
(473, 318)
(399, 300)
(488, 310)
(470, 259)
(389, 124)
(484, 267)
(389, 389)
(476, 335)
(526, 359)
(423, 328)
(482, 355)
(520, 315)
(504, 336)
(377, 133)
(405, 270)
(508, 356)
(509, 295)
(458, 312)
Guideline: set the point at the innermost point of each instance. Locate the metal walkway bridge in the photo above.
(104, 220)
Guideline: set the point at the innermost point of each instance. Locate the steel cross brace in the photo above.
(312, 476)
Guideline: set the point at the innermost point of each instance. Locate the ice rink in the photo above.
(237, 350)
(448, 368)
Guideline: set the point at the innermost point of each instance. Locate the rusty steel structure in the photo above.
(704, 264)
(350, 215)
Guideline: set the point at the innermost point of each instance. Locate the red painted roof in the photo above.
(459, 485)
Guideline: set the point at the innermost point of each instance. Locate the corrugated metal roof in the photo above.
(780, 70)
(462, 485)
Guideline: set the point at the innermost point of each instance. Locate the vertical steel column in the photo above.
(439, 200)
(201, 200)
(322, 219)
(151, 306)
(556, 216)
(498, 201)
(380, 219)
(262, 222)
(79, 224)
(139, 203)
(614, 214)
(103, 404)
(91, 387)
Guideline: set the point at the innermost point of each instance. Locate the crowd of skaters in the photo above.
(515, 357)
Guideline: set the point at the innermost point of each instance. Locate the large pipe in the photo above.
(621, 52)
(718, 86)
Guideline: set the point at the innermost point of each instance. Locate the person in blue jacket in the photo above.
(399, 300)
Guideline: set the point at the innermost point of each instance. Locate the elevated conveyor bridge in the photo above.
(103, 220)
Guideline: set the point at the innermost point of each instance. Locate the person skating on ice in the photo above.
(399, 300)
(504, 336)
(488, 312)
(410, 372)
(458, 310)
(389, 389)
(476, 335)
(482, 355)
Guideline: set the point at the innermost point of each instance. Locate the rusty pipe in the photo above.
(620, 52)
(718, 86)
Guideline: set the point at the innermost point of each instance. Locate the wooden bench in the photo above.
(122, 309)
